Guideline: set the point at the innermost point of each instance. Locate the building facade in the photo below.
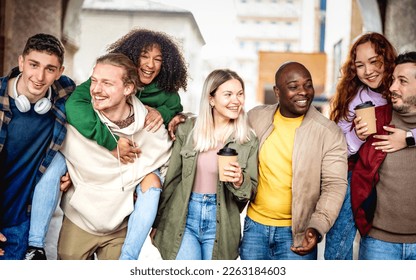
(281, 26)
(20, 19)
(347, 19)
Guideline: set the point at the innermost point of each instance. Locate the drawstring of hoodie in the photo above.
(118, 158)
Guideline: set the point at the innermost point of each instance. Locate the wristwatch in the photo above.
(410, 140)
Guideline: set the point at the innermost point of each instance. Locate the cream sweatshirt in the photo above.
(102, 196)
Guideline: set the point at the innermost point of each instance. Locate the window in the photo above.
(337, 64)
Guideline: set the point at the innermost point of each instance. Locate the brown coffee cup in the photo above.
(225, 156)
(367, 113)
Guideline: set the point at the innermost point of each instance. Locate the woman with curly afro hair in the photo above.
(162, 71)
(138, 42)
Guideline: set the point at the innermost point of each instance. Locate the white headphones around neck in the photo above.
(42, 106)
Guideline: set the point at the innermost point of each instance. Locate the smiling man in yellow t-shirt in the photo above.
(302, 173)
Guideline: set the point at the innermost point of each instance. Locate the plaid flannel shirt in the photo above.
(61, 89)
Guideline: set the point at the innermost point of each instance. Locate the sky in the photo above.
(216, 20)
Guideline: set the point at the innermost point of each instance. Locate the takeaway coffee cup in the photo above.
(225, 156)
(367, 113)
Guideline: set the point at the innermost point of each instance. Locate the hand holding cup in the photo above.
(234, 174)
(228, 168)
(365, 122)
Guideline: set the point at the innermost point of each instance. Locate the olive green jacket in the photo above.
(173, 206)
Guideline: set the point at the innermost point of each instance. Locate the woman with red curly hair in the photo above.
(366, 76)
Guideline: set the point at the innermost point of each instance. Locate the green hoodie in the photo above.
(82, 116)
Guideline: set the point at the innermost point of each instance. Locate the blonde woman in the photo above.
(199, 216)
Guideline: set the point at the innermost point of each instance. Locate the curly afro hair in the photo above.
(173, 73)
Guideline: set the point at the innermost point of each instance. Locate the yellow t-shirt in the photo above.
(273, 203)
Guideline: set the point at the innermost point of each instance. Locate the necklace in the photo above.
(127, 121)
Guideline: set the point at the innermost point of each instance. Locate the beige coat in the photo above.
(319, 168)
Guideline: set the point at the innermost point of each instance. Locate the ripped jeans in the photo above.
(141, 220)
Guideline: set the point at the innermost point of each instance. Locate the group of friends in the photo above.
(123, 160)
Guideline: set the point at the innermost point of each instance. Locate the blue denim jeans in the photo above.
(45, 200)
(141, 220)
(340, 238)
(199, 236)
(16, 245)
(261, 242)
(374, 249)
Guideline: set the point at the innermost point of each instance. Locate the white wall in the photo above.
(338, 28)
(308, 24)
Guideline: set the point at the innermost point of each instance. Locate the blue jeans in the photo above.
(261, 242)
(340, 238)
(141, 220)
(45, 200)
(374, 249)
(16, 245)
(199, 236)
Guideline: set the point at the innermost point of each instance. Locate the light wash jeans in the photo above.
(45, 199)
(141, 220)
(374, 249)
(261, 242)
(16, 245)
(199, 236)
(340, 238)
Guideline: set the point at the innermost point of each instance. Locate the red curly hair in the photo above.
(349, 83)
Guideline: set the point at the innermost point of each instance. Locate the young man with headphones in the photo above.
(32, 129)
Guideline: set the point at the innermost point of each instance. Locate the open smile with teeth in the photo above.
(148, 73)
(302, 102)
(372, 78)
(233, 108)
(37, 85)
(99, 98)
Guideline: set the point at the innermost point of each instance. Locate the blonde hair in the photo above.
(130, 75)
(203, 131)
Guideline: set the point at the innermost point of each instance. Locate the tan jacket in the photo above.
(319, 168)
